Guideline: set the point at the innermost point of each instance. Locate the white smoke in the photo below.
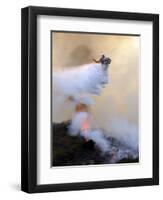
(81, 83)
(99, 138)
(93, 134)
(77, 120)
(124, 131)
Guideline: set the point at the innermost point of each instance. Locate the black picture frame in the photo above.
(29, 98)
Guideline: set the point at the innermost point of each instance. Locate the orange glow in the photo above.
(81, 107)
(85, 125)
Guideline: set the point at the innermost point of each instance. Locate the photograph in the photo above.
(95, 98)
(90, 99)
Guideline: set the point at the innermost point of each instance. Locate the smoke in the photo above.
(126, 132)
(125, 147)
(92, 134)
(116, 109)
(98, 137)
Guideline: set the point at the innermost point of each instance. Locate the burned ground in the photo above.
(68, 150)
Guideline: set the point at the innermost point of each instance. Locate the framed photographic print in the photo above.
(90, 99)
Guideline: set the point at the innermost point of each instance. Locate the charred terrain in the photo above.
(74, 150)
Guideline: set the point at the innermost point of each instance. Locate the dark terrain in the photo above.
(68, 150)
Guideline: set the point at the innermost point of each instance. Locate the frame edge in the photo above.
(24, 99)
